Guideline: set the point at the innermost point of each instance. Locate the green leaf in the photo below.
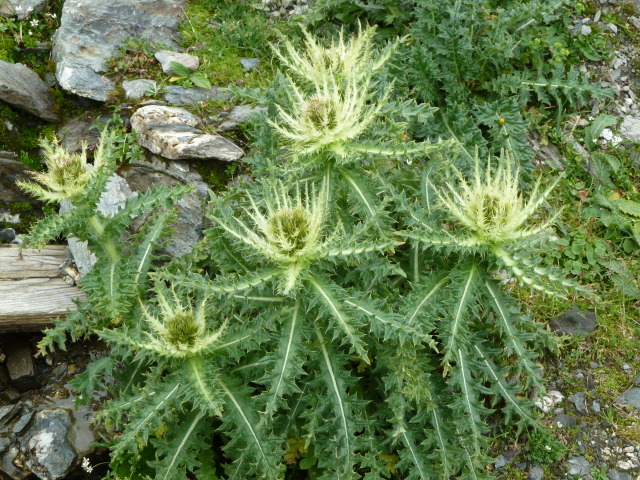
(200, 79)
(179, 69)
(352, 335)
(599, 123)
(628, 206)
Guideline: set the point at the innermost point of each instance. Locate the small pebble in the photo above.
(585, 30)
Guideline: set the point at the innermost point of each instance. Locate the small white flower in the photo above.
(86, 465)
(33, 23)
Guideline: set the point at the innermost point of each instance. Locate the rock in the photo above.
(249, 63)
(12, 171)
(565, 421)
(116, 194)
(635, 21)
(21, 8)
(90, 33)
(171, 132)
(546, 403)
(22, 422)
(25, 90)
(20, 363)
(574, 322)
(239, 115)
(137, 89)
(631, 397)
(165, 57)
(189, 222)
(114, 197)
(578, 465)
(616, 475)
(580, 402)
(595, 406)
(8, 235)
(535, 472)
(191, 95)
(630, 128)
(45, 449)
(78, 131)
(585, 30)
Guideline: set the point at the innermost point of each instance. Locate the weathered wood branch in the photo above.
(32, 289)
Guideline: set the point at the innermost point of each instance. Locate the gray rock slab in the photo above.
(189, 222)
(46, 446)
(616, 475)
(91, 32)
(239, 115)
(249, 63)
(181, 96)
(631, 398)
(171, 133)
(25, 90)
(535, 472)
(21, 8)
(77, 131)
(580, 402)
(136, 89)
(8, 235)
(630, 128)
(578, 465)
(574, 322)
(165, 57)
(20, 364)
(565, 421)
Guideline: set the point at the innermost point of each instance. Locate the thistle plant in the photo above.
(327, 119)
(176, 332)
(490, 215)
(67, 174)
(347, 62)
(328, 313)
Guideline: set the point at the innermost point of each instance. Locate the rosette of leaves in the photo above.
(306, 281)
(462, 235)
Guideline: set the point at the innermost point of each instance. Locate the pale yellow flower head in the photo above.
(287, 229)
(349, 61)
(179, 331)
(327, 119)
(491, 208)
(67, 173)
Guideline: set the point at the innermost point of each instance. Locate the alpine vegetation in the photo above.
(335, 318)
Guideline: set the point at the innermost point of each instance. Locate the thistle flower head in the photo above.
(349, 60)
(67, 173)
(288, 229)
(327, 119)
(491, 208)
(178, 331)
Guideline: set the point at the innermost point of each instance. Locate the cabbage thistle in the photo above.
(287, 230)
(490, 208)
(351, 61)
(178, 331)
(67, 173)
(327, 119)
